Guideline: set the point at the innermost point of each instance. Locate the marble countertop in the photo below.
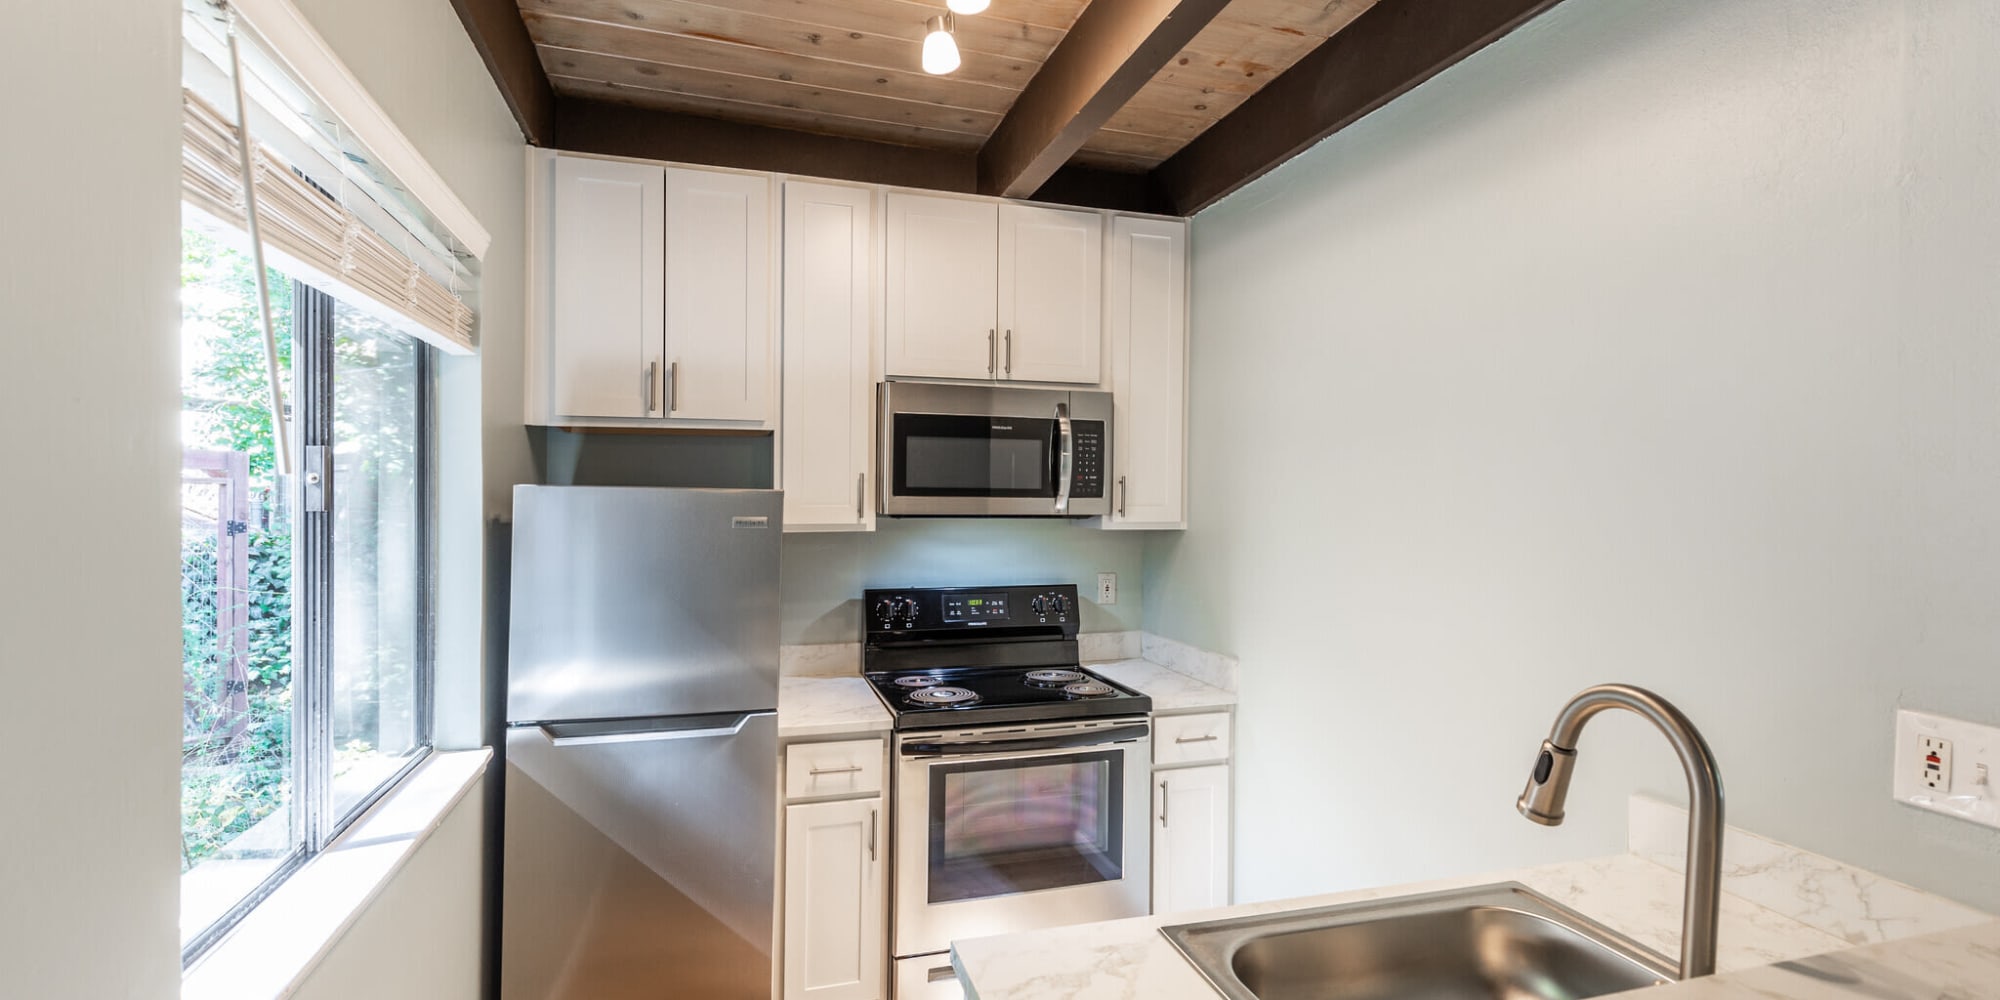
(1172, 692)
(1962, 964)
(828, 706)
(1131, 960)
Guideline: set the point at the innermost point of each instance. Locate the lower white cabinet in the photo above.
(836, 945)
(1190, 838)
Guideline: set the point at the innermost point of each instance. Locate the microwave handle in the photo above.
(1065, 457)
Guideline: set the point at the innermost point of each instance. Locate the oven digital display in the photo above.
(975, 607)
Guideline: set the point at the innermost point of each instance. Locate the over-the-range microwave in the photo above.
(975, 450)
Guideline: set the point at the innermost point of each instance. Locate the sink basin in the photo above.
(1490, 942)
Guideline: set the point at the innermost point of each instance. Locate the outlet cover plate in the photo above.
(1107, 588)
(1974, 755)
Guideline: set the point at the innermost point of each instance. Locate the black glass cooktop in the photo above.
(969, 696)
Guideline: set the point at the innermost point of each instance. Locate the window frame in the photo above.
(316, 824)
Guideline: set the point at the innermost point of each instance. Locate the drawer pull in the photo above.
(1210, 738)
(850, 769)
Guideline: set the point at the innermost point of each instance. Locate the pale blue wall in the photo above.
(824, 574)
(1659, 342)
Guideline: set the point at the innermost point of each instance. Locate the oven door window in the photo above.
(1009, 826)
(941, 455)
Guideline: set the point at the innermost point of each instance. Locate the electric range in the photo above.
(1021, 780)
(975, 656)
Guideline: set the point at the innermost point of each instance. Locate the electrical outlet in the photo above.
(1107, 588)
(1935, 756)
(1945, 765)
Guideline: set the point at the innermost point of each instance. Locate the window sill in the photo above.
(275, 946)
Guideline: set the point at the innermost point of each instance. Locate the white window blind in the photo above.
(315, 237)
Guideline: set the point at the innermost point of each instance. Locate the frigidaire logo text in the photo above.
(1003, 427)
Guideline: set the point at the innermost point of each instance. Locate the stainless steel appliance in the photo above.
(1021, 779)
(971, 450)
(641, 798)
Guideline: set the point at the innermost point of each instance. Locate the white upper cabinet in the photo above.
(1051, 287)
(1146, 313)
(605, 289)
(651, 295)
(718, 296)
(941, 287)
(829, 387)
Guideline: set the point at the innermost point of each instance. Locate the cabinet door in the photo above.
(718, 295)
(1146, 308)
(835, 943)
(828, 395)
(1190, 838)
(941, 288)
(605, 289)
(1051, 294)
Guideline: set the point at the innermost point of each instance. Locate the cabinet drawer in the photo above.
(1188, 739)
(817, 770)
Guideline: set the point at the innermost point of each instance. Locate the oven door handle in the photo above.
(1096, 737)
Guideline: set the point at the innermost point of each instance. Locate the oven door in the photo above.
(1002, 830)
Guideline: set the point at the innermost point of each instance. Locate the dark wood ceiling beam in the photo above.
(1111, 51)
(501, 37)
(1383, 54)
(651, 134)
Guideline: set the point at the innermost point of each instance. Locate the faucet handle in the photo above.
(1548, 785)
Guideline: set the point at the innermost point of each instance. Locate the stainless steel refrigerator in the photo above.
(642, 690)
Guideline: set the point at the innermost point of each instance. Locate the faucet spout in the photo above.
(1548, 787)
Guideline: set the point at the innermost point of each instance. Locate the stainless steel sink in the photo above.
(1499, 941)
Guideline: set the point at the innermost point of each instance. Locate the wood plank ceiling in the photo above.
(1152, 105)
(850, 67)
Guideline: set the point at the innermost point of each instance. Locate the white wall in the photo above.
(420, 936)
(1656, 343)
(89, 639)
(424, 908)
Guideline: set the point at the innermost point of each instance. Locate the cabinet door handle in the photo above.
(872, 813)
(1210, 738)
(817, 771)
(860, 495)
(992, 354)
(673, 386)
(649, 386)
(1121, 496)
(1163, 805)
(1009, 369)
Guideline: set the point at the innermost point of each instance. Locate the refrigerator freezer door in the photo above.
(641, 864)
(629, 603)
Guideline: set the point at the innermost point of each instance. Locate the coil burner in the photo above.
(1051, 678)
(1088, 689)
(917, 682)
(942, 695)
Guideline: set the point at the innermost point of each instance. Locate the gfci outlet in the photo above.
(1934, 756)
(1946, 765)
(1107, 588)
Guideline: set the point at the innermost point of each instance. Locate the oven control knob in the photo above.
(1059, 604)
(886, 611)
(909, 612)
(1035, 605)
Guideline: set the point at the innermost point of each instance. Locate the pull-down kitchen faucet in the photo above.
(1542, 802)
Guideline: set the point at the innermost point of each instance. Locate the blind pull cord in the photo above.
(280, 430)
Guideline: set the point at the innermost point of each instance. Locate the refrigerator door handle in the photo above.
(693, 727)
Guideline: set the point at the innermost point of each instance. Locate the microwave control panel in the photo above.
(1086, 477)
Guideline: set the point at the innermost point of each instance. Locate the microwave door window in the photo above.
(953, 456)
(1004, 827)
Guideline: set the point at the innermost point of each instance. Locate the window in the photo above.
(305, 612)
